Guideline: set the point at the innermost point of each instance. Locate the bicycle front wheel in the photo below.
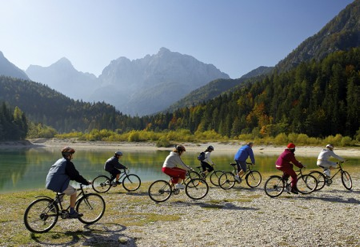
(274, 186)
(41, 215)
(346, 180)
(191, 175)
(131, 182)
(160, 191)
(320, 178)
(196, 189)
(306, 184)
(253, 179)
(214, 177)
(226, 180)
(101, 184)
(92, 206)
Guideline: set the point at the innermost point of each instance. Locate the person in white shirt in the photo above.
(323, 159)
(207, 164)
(175, 168)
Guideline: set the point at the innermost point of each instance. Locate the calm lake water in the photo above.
(26, 169)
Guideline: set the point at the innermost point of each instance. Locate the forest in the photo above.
(318, 99)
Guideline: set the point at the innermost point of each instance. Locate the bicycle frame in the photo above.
(339, 169)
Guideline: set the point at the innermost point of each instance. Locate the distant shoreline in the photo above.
(221, 147)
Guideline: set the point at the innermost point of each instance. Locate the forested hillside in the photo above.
(45, 105)
(316, 98)
(13, 124)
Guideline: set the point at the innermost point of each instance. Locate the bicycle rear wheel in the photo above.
(92, 206)
(253, 179)
(274, 186)
(101, 184)
(160, 191)
(41, 215)
(320, 178)
(346, 180)
(196, 189)
(306, 184)
(131, 182)
(226, 180)
(214, 177)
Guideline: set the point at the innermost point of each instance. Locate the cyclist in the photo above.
(207, 164)
(112, 165)
(59, 176)
(285, 164)
(323, 159)
(175, 167)
(240, 158)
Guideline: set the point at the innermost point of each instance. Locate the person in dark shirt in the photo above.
(113, 166)
(59, 176)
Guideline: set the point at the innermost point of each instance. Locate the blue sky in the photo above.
(236, 36)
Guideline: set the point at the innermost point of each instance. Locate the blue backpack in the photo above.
(201, 156)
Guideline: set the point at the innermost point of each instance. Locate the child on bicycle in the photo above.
(323, 159)
(207, 164)
(59, 176)
(285, 164)
(175, 168)
(113, 166)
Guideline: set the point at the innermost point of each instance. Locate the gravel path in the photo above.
(237, 217)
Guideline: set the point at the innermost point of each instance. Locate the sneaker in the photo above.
(294, 191)
(179, 186)
(117, 182)
(75, 215)
(237, 178)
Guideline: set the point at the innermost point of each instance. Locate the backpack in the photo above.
(201, 156)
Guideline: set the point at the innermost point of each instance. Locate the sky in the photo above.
(236, 36)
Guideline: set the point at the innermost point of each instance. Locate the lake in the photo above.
(26, 168)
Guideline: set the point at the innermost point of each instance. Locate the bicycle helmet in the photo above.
(291, 146)
(330, 146)
(210, 148)
(180, 148)
(67, 151)
(118, 153)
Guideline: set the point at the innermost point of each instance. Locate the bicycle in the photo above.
(227, 179)
(43, 213)
(161, 190)
(275, 185)
(323, 179)
(130, 182)
(213, 175)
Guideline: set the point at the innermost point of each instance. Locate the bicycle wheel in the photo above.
(191, 175)
(274, 186)
(306, 184)
(160, 191)
(196, 189)
(214, 177)
(253, 179)
(346, 180)
(320, 178)
(41, 215)
(131, 182)
(101, 184)
(226, 180)
(92, 206)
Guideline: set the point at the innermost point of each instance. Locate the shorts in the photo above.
(326, 164)
(241, 165)
(69, 190)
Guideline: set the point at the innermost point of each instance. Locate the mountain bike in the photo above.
(43, 213)
(161, 190)
(227, 179)
(213, 175)
(130, 182)
(275, 185)
(323, 179)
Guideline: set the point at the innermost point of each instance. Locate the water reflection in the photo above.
(26, 169)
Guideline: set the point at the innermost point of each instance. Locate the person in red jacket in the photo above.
(285, 164)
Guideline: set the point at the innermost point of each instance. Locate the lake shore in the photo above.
(226, 148)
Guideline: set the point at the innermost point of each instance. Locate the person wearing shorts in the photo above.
(112, 165)
(240, 158)
(175, 168)
(59, 176)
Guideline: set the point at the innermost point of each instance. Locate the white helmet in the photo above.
(330, 146)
